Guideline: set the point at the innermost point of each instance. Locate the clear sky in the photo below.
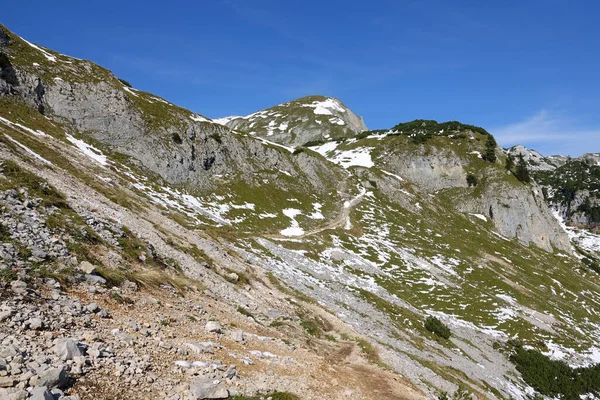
(528, 71)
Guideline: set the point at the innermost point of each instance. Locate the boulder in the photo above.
(66, 349)
(207, 388)
(53, 377)
(41, 393)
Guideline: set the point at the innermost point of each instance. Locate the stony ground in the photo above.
(89, 341)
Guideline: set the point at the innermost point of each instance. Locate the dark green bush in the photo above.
(555, 378)
(434, 325)
(124, 82)
(472, 180)
(176, 138)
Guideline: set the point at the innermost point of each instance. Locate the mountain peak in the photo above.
(296, 122)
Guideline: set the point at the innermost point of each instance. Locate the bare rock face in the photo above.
(517, 210)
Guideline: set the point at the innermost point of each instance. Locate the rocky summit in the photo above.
(147, 251)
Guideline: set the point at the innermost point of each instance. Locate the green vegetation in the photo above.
(176, 138)
(421, 130)
(434, 325)
(124, 82)
(244, 312)
(460, 394)
(490, 149)
(522, 172)
(36, 186)
(369, 351)
(555, 378)
(472, 180)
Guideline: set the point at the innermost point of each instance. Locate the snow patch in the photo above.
(48, 56)
(28, 150)
(294, 229)
(326, 106)
(88, 150)
(22, 127)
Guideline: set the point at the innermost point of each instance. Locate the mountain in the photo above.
(295, 123)
(150, 251)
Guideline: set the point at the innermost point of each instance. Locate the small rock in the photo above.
(237, 335)
(213, 326)
(13, 394)
(6, 382)
(38, 252)
(183, 364)
(35, 323)
(92, 307)
(66, 349)
(5, 315)
(87, 267)
(19, 287)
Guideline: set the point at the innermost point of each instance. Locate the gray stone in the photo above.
(53, 377)
(87, 267)
(183, 364)
(19, 287)
(35, 323)
(41, 393)
(38, 252)
(66, 349)
(95, 279)
(6, 382)
(206, 388)
(8, 350)
(213, 326)
(92, 307)
(5, 315)
(237, 335)
(13, 394)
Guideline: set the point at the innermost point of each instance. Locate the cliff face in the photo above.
(441, 166)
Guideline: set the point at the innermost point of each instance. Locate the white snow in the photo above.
(225, 120)
(393, 175)
(478, 154)
(290, 149)
(36, 133)
(88, 150)
(360, 157)
(317, 212)
(480, 216)
(48, 56)
(294, 229)
(326, 106)
(28, 150)
(283, 126)
(199, 118)
(129, 90)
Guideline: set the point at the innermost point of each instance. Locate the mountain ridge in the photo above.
(344, 248)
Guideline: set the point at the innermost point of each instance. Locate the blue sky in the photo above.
(525, 70)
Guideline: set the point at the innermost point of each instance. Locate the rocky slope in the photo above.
(305, 120)
(146, 250)
(571, 185)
